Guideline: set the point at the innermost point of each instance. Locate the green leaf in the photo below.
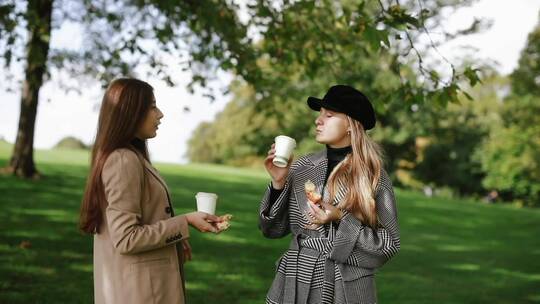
(469, 97)
(472, 76)
(372, 38)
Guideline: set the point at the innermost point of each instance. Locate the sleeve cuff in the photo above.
(274, 194)
(180, 229)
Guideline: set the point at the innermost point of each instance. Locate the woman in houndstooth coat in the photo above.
(338, 244)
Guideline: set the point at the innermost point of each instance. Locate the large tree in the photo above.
(119, 37)
(304, 38)
(307, 46)
(38, 18)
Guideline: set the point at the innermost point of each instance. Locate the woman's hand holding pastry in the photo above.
(203, 221)
(324, 214)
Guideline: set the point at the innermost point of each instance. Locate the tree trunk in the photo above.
(39, 33)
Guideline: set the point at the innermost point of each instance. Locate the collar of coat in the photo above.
(317, 158)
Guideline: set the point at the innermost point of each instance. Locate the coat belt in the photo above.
(301, 243)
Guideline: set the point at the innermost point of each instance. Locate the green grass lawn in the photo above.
(452, 251)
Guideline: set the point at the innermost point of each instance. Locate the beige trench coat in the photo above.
(135, 254)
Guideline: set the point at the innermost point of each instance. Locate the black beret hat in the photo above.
(347, 100)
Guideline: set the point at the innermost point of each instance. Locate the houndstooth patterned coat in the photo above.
(335, 263)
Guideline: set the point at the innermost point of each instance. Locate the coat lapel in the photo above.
(154, 172)
(314, 170)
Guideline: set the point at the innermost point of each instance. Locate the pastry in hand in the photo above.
(223, 223)
(311, 192)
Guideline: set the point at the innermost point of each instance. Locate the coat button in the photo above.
(168, 210)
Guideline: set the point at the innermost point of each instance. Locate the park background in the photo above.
(456, 87)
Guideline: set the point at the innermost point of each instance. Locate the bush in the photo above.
(71, 142)
(510, 156)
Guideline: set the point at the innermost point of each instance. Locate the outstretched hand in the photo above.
(203, 221)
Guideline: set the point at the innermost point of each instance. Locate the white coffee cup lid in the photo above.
(286, 137)
(206, 194)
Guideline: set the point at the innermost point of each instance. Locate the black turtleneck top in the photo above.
(334, 156)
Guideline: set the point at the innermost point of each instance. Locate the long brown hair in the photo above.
(123, 109)
(359, 173)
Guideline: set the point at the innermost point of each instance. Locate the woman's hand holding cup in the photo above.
(278, 174)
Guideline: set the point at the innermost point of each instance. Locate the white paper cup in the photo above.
(206, 202)
(284, 147)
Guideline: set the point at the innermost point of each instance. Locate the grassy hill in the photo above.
(452, 251)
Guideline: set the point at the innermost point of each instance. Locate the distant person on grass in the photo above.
(139, 244)
(338, 243)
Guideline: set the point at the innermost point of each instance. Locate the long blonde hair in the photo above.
(359, 174)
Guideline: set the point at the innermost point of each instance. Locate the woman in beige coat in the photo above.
(139, 243)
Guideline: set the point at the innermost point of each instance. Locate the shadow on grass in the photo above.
(43, 258)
